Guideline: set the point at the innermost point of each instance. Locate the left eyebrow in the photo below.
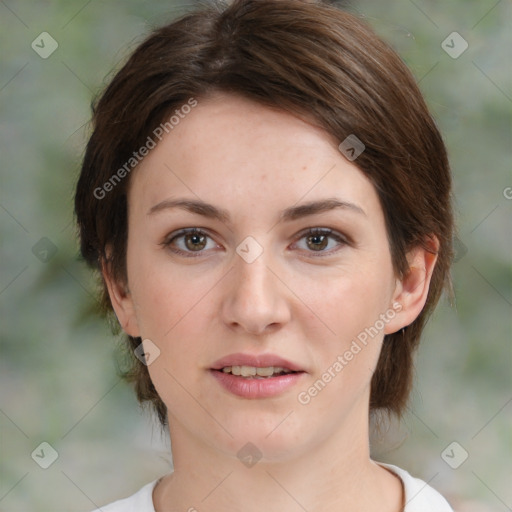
(315, 207)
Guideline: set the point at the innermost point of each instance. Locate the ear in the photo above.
(412, 290)
(122, 301)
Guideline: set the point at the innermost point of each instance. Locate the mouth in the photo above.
(249, 365)
(255, 372)
(256, 376)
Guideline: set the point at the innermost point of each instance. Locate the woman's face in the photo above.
(286, 265)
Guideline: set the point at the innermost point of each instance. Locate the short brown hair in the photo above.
(308, 58)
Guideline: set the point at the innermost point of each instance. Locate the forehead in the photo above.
(229, 149)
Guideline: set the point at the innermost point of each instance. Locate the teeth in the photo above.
(247, 371)
(265, 372)
(252, 371)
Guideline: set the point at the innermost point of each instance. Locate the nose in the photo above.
(255, 300)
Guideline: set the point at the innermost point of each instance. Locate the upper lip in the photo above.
(258, 361)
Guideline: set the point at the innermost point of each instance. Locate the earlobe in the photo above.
(122, 302)
(412, 290)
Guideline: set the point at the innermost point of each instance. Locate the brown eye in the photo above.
(322, 241)
(190, 242)
(317, 242)
(195, 242)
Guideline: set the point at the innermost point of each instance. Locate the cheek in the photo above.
(164, 294)
(172, 311)
(351, 306)
(350, 302)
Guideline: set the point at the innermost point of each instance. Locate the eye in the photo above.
(188, 241)
(321, 240)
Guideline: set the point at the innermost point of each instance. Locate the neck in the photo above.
(336, 474)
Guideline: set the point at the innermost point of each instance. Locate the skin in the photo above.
(291, 301)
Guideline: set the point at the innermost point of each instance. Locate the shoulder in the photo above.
(141, 501)
(419, 496)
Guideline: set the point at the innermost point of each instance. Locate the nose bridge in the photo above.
(251, 267)
(255, 299)
(253, 278)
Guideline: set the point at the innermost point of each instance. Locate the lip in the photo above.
(259, 361)
(256, 388)
(252, 388)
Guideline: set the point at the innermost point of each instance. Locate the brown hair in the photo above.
(313, 60)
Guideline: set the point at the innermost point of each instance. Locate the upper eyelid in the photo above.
(187, 231)
(325, 231)
(301, 234)
(330, 233)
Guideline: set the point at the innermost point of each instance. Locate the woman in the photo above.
(267, 199)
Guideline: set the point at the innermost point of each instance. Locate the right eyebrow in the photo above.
(193, 206)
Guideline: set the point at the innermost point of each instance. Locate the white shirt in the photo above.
(419, 497)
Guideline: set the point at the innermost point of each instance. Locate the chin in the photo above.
(274, 437)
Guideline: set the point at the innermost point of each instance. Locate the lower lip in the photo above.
(256, 388)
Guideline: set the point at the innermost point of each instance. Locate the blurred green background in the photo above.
(58, 370)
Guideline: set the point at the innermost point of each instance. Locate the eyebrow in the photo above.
(292, 213)
(314, 207)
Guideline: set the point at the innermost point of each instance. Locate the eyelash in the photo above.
(311, 232)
